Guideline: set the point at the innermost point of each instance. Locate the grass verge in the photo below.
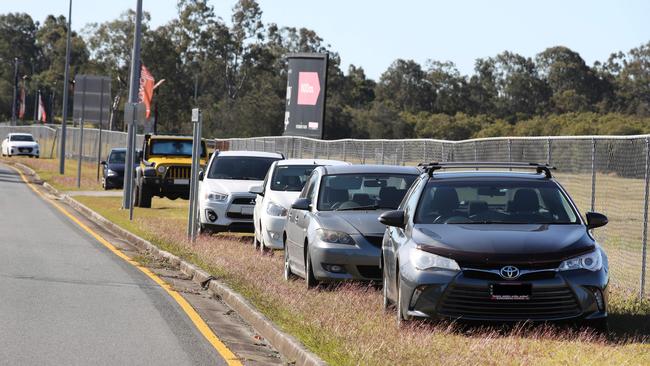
(48, 170)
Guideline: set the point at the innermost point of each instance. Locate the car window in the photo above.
(240, 167)
(117, 157)
(363, 191)
(410, 201)
(494, 202)
(309, 189)
(174, 147)
(21, 138)
(291, 178)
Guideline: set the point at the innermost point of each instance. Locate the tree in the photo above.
(405, 84)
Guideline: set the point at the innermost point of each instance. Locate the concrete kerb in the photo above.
(287, 345)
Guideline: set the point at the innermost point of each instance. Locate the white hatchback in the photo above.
(20, 144)
(224, 201)
(280, 188)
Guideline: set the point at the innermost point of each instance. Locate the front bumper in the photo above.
(272, 227)
(358, 262)
(116, 181)
(168, 187)
(231, 215)
(557, 296)
(23, 151)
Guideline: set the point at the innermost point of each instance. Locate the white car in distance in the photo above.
(20, 144)
(280, 188)
(224, 201)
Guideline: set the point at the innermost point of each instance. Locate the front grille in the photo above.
(480, 275)
(474, 303)
(375, 240)
(373, 272)
(243, 201)
(237, 215)
(25, 149)
(178, 172)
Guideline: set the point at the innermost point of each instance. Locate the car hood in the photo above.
(228, 186)
(498, 244)
(282, 198)
(23, 143)
(352, 222)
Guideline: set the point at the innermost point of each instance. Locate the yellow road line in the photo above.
(230, 358)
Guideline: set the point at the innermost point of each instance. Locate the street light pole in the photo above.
(127, 197)
(66, 86)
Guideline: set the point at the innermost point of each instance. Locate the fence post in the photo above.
(300, 139)
(442, 152)
(475, 151)
(382, 152)
(510, 151)
(403, 152)
(363, 152)
(424, 151)
(593, 174)
(344, 150)
(645, 218)
(56, 135)
(314, 149)
(548, 152)
(327, 149)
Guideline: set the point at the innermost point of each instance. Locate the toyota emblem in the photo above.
(509, 272)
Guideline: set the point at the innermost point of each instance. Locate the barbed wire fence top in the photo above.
(609, 174)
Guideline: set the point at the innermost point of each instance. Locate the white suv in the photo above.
(224, 201)
(20, 144)
(281, 187)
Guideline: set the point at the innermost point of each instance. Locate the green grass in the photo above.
(48, 170)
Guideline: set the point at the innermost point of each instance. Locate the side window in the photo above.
(410, 201)
(313, 182)
(267, 177)
(308, 189)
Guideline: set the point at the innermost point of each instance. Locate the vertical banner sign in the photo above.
(306, 89)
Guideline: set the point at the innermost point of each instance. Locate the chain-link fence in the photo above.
(608, 174)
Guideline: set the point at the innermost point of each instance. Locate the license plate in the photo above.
(247, 210)
(181, 181)
(510, 291)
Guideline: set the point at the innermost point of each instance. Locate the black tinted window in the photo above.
(240, 167)
(174, 147)
(494, 202)
(291, 177)
(363, 191)
(21, 138)
(117, 157)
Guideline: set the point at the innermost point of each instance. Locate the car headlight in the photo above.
(111, 173)
(274, 209)
(424, 261)
(161, 169)
(216, 196)
(335, 237)
(591, 261)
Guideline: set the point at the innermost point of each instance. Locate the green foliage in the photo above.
(238, 70)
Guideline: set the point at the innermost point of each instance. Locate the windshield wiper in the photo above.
(369, 207)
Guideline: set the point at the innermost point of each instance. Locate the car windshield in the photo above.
(117, 157)
(174, 147)
(494, 203)
(290, 177)
(21, 138)
(363, 191)
(240, 167)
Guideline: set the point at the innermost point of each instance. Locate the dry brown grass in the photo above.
(48, 170)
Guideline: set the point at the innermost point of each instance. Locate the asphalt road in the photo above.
(67, 300)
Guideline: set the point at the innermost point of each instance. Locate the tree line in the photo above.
(238, 72)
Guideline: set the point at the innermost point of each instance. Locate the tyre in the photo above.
(402, 317)
(310, 279)
(288, 274)
(136, 199)
(145, 196)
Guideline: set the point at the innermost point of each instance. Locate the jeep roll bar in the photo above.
(431, 167)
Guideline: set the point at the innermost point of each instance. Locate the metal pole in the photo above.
(194, 181)
(37, 97)
(314, 149)
(382, 151)
(442, 152)
(510, 151)
(363, 151)
(424, 151)
(344, 150)
(101, 119)
(66, 78)
(15, 82)
(593, 174)
(548, 152)
(132, 144)
(645, 218)
(81, 130)
(127, 197)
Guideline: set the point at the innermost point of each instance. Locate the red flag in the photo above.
(42, 115)
(21, 109)
(146, 89)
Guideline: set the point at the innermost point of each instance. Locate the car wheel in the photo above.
(387, 304)
(145, 197)
(310, 279)
(136, 199)
(402, 318)
(288, 274)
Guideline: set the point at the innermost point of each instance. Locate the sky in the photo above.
(374, 33)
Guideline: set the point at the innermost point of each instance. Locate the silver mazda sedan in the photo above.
(332, 230)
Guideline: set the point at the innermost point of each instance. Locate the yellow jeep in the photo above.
(165, 167)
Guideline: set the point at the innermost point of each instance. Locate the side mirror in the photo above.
(595, 219)
(103, 162)
(259, 190)
(303, 204)
(201, 174)
(393, 218)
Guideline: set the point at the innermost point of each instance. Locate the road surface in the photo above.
(67, 300)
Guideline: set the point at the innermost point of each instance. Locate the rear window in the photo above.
(290, 178)
(240, 167)
(21, 138)
(494, 203)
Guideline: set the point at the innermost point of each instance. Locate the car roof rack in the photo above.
(431, 167)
